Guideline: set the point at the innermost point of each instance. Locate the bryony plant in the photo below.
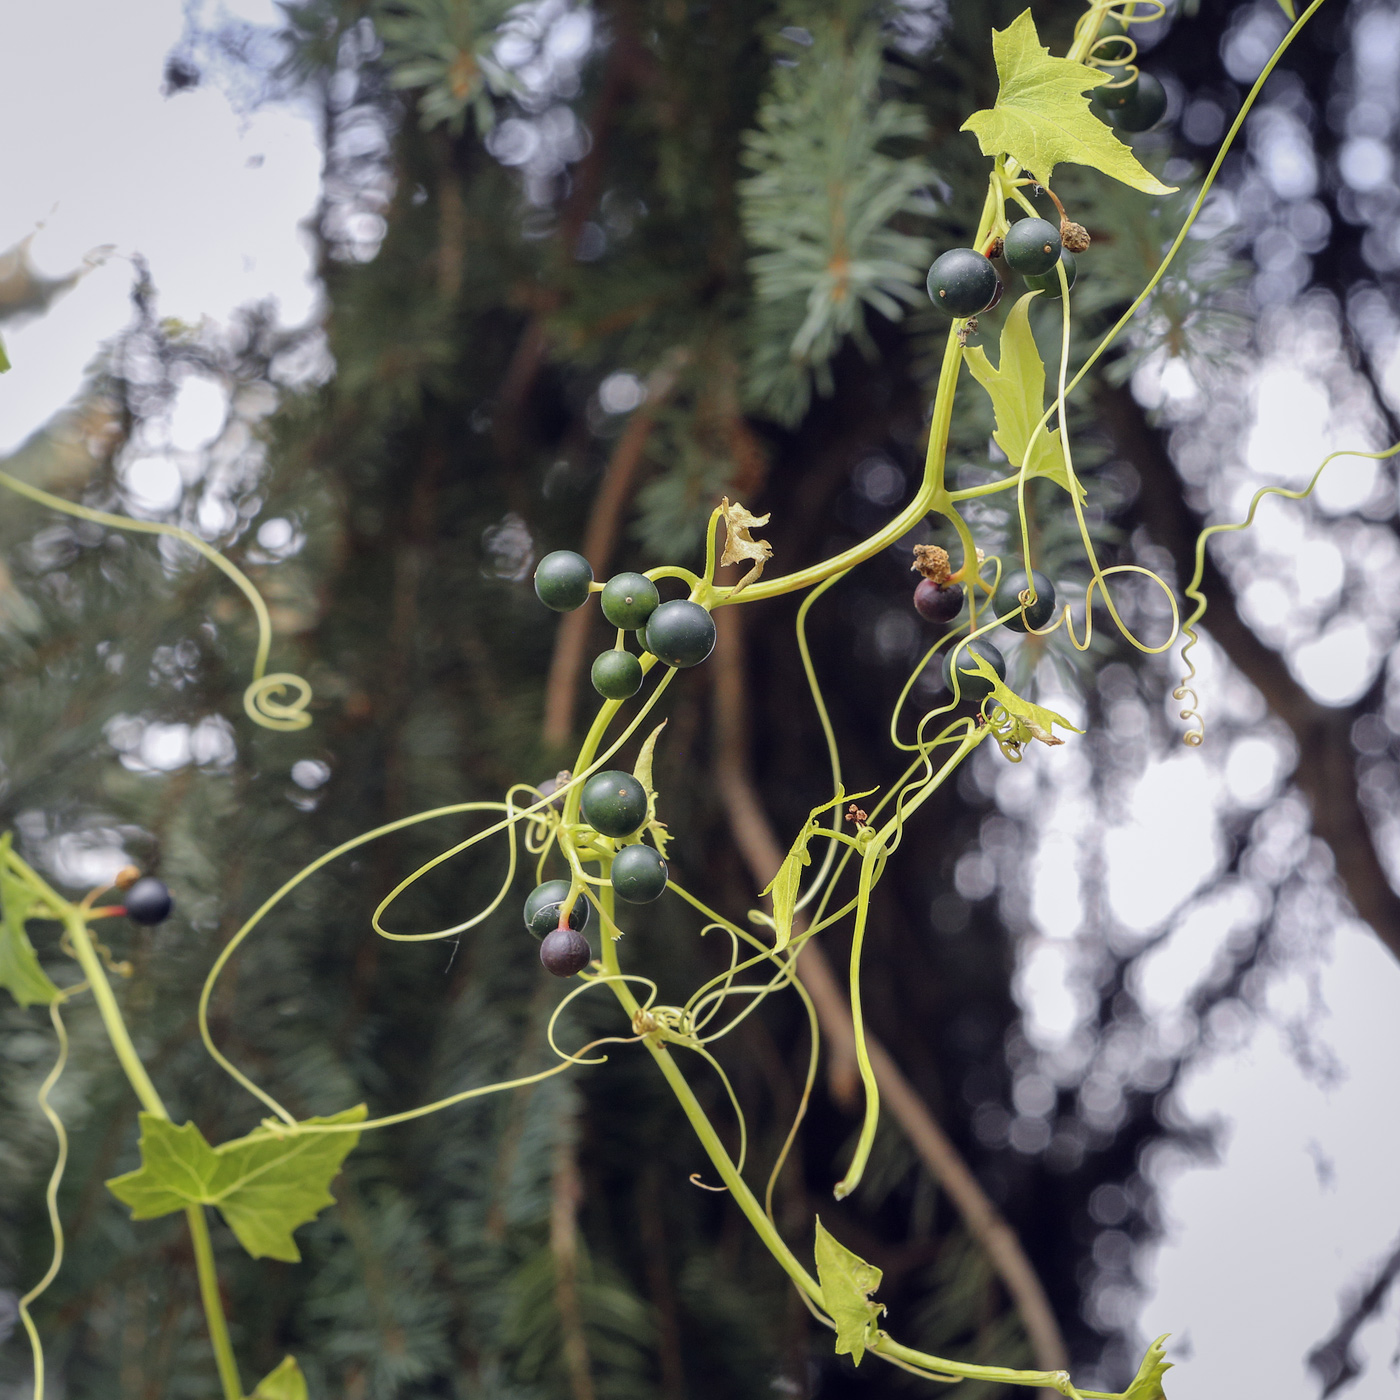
(595, 838)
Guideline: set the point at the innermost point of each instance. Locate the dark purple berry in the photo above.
(148, 902)
(938, 602)
(565, 952)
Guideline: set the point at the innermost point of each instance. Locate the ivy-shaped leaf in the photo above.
(1042, 117)
(20, 973)
(285, 1383)
(1147, 1384)
(847, 1282)
(642, 773)
(264, 1185)
(1017, 389)
(1014, 722)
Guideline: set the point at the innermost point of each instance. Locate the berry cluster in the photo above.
(679, 633)
(614, 804)
(964, 282)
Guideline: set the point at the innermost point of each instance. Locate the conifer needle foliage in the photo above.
(821, 207)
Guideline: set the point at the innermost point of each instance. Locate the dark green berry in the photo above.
(638, 874)
(148, 902)
(1031, 246)
(628, 600)
(1035, 615)
(680, 633)
(1049, 282)
(962, 282)
(1145, 108)
(617, 675)
(938, 602)
(972, 684)
(565, 952)
(1116, 93)
(562, 579)
(542, 908)
(614, 803)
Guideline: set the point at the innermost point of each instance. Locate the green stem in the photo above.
(704, 1130)
(885, 1345)
(108, 1009)
(213, 1303)
(151, 1101)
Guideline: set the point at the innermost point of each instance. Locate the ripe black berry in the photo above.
(1008, 600)
(614, 803)
(628, 600)
(1031, 246)
(562, 579)
(1145, 108)
(938, 602)
(1049, 282)
(148, 902)
(617, 675)
(638, 874)
(680, 633)
(542, 908)
(565, 952)
(1117, 93)
(962, 282)
(972, 684)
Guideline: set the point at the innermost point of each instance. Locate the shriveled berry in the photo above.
(148, 902)
(614, 803)
(1032, 246)
(962, 282)
(542, 906)
(1145, 108)
(628, 600)
(562, 579)
(617, 675)
(1049, 282)
(565, 952)
(680, 633)
(1035, 615)
(638, 874)
(938, 602)
(971, 683)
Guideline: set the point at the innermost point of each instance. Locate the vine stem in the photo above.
(151, 1101)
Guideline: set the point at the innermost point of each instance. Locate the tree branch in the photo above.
(1326, 771)
(753, 834)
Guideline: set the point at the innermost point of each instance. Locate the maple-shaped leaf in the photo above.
(20, 973)
(1147, 1384)
(284, 1383)
(1014, 722)
(739, 544)
(1017, 390)
(1042, 117)
(847, 1282)
(264, 1185)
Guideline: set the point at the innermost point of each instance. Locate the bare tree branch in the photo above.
(1332, 1358)
(1326, 771)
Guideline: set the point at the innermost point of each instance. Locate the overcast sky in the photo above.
(1260, 1244)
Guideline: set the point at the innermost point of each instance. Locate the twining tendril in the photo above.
(1196, 736)
(262, 700)
(55, 1181)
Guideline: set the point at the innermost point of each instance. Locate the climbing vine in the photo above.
(594, 839)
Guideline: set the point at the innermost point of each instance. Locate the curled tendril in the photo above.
(260, 699)
(55, 1181)
(263, 704)
(1195, 737)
